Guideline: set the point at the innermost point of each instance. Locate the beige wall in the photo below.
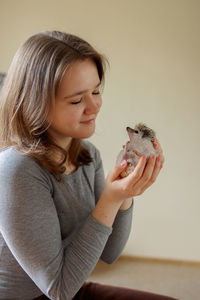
(154, 52)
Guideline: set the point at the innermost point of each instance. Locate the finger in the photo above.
(156, 142)
(162, 159)
(156, 170)
(158, 148)
(138, 186)
(155, 174)
(138, 171)
(147, 174)
(117, 170)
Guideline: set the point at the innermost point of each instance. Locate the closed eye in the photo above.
(77, 102)
(96, 93)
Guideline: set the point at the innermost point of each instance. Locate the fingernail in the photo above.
(123, 163)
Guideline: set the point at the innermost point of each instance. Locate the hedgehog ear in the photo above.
(145, 133)
(149, 133)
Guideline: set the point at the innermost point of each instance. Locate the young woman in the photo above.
(57, 215)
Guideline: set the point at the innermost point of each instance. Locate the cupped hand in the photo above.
(143, 176)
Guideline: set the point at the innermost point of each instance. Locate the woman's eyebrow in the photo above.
(82, 92)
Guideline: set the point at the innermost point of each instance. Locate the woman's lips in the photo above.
(88, 122)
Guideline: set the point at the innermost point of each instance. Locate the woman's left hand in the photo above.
(151, 171)
(153, 168)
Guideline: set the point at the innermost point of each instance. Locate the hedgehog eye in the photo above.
(136, 131)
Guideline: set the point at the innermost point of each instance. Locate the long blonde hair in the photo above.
(29, 91)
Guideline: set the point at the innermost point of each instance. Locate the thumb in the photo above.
(117, 170)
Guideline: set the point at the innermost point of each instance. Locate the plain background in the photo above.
(153, 47)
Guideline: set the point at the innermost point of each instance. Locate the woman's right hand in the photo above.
(117, 190)
(144, 174)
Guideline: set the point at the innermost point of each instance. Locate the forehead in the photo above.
(80, 75)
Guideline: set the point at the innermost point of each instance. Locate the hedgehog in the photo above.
(141, 143)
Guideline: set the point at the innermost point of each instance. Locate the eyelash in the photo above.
(79, 101)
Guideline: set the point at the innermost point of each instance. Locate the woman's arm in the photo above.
(30, 227)
(123, 220)
(143, 176)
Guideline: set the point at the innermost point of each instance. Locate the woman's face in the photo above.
(77, 103)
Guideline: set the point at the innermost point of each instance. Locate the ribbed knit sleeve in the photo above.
(122, 224)
(30, 226)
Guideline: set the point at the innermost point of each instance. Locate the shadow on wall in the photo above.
(2, 77)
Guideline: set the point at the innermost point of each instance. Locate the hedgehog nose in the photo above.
(129, 129)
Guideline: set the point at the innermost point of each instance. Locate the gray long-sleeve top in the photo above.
(49, 241)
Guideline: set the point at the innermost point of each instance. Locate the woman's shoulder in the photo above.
(90, 146)
(94, 153)
(93, 150)
(10, 157)
(13, 162)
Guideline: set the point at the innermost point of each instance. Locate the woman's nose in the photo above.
(93, 104)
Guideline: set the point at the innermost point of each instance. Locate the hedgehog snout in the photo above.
(130, 130)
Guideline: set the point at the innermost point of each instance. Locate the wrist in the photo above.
(127, 203)
(106, 209)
